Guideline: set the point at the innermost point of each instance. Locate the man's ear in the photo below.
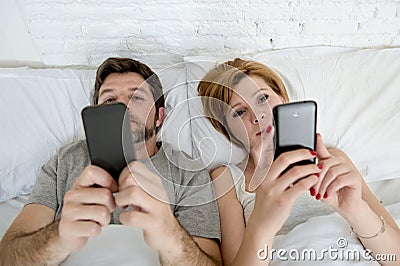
(160, 119)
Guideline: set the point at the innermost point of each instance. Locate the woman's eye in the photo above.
(238, 113)
(263, 98)
(136, 98)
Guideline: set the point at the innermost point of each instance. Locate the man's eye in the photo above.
(109, 100)
(238, 113)
(263, 98)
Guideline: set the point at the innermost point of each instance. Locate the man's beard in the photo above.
(144, 133)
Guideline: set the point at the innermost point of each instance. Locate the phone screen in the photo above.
(295, 127)
(109, 137)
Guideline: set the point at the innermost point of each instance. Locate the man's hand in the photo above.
(145, 204)
(87, 207)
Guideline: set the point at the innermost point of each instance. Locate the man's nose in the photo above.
(125, 101)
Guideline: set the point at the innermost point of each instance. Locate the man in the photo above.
(72, 199)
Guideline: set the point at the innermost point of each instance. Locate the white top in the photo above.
(304, 207)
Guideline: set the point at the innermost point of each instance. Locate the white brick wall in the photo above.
(85, 32)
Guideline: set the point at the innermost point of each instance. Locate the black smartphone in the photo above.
(295, 127)
(109, 137)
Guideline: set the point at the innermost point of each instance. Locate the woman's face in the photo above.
(250, 113)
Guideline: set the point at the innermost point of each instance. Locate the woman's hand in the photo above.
(279, 189)
(340, 182)
(262, 155)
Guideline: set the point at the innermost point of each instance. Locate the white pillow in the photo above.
(358, 99)
(40, 111)
(211, 146)
(357, 95)
(176, 127)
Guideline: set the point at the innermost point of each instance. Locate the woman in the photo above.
(257, 198)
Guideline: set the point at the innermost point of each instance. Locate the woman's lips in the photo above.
(267, 130)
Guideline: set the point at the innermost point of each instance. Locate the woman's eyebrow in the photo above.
(259, 91)
(265, 89)
(236, 104)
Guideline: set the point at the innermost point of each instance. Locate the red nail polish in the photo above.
(320, 166)
(317, 174)
(318, 196)
(313, 153)
(269, 128)
(312, 191)
(325, 195)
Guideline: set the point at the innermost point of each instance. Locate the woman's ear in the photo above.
(282, 99)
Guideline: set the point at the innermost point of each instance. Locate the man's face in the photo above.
(132, 90)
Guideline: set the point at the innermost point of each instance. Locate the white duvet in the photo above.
(323, 240)
(329, 232)
(116, 245)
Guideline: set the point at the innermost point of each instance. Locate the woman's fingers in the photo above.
(264, 156)
(288, 158)
(295, 175)
(322, 151)
(300, 187)
(345, 180)
(331, 175)
(325, 166)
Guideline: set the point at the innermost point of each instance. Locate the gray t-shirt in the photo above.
(190, 191)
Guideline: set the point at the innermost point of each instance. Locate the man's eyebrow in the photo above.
(139, 89)
(110, 90)
(106, 91)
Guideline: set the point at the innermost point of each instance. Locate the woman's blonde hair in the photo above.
(216, 88)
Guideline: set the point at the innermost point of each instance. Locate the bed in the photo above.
(358, 97)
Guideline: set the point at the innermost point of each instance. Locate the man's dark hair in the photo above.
(126, 65)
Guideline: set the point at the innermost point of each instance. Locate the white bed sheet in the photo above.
(329, 232)
(317, 233)
(9, 210)
(121, 245)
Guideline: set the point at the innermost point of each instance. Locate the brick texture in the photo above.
(78, 32)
